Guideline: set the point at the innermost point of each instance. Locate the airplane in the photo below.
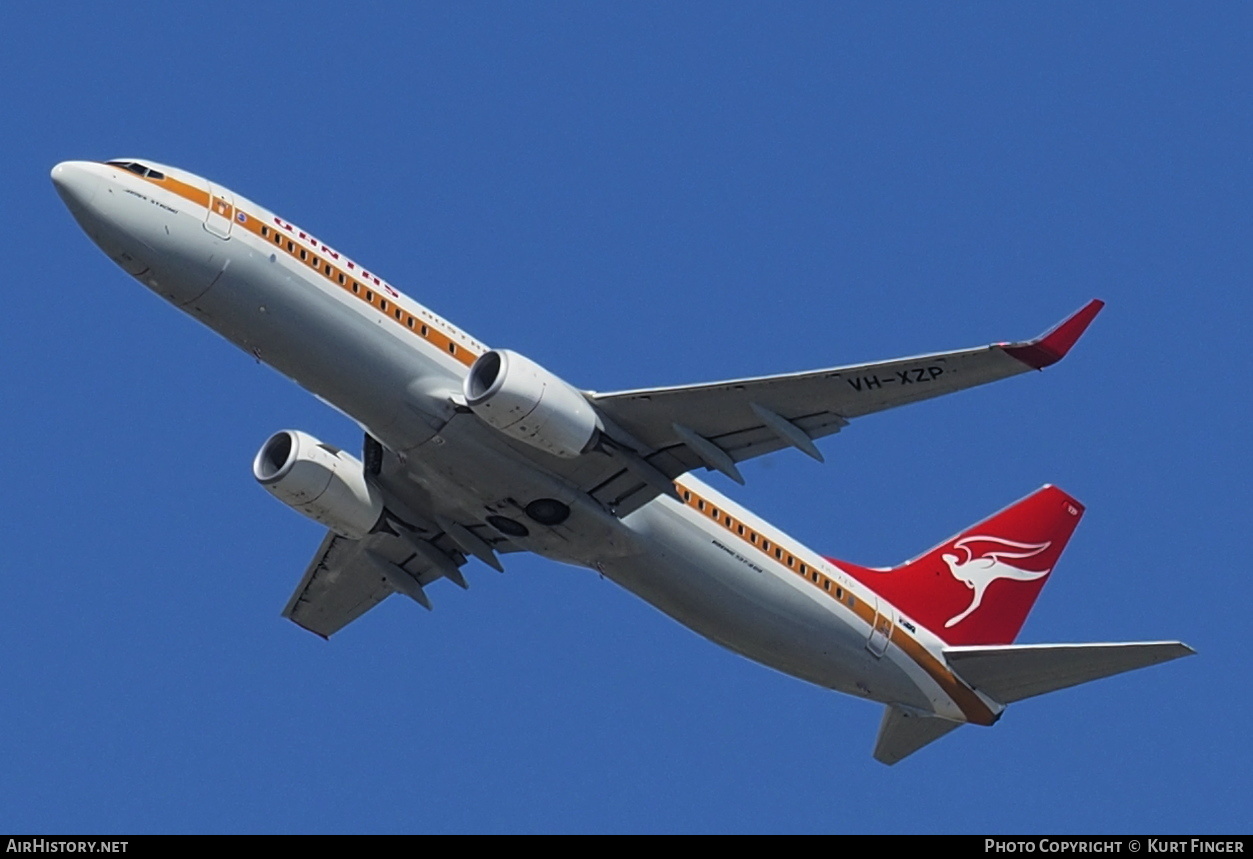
(474, 452)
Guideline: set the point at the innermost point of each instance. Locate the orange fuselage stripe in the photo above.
(369, 290)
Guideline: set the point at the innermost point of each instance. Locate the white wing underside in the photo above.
(715, 425)
(747, 418)
(345, 579)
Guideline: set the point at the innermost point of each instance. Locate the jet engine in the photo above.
(524, 401)
(319, 480)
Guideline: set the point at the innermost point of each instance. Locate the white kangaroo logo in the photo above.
(978, 573)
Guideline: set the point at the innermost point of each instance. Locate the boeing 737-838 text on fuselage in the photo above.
(476, 452)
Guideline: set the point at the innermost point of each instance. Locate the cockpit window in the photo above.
(138, 169)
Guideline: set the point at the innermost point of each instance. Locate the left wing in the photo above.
(719, 424)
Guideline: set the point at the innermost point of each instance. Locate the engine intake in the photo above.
(319, 480)
(524, 401)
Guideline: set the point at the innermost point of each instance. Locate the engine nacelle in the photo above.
(320, 481)
(523, 400)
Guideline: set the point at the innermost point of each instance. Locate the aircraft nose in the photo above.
(76, 184)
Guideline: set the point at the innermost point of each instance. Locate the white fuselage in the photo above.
(396, 369)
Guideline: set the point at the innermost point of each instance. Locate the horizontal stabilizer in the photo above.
(901, 733)
(1012, 672)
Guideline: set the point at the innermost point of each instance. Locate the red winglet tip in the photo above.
(1049, 348)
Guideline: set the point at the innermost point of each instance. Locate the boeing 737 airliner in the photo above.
(477, 452)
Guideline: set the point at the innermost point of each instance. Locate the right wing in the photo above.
(409, 550)
(337, 588)
(347, 578)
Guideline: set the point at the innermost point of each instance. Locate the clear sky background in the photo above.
(633, 195)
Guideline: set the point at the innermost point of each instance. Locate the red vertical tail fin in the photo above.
(978, 587)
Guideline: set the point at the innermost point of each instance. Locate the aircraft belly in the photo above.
(758, 614)
(470, 471)
(326, 346)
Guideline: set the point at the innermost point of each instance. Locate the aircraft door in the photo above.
(221, 212)
(880, 632)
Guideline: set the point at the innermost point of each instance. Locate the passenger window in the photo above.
(304, 254)
(265, 232)
(383, 305)
(425, 330)
(452, 347)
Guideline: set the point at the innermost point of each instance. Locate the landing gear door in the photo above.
(221, 213)
(880, 632)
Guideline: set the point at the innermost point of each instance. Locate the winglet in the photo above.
(1051, 347)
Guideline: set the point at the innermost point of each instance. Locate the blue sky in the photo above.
(633, 195)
